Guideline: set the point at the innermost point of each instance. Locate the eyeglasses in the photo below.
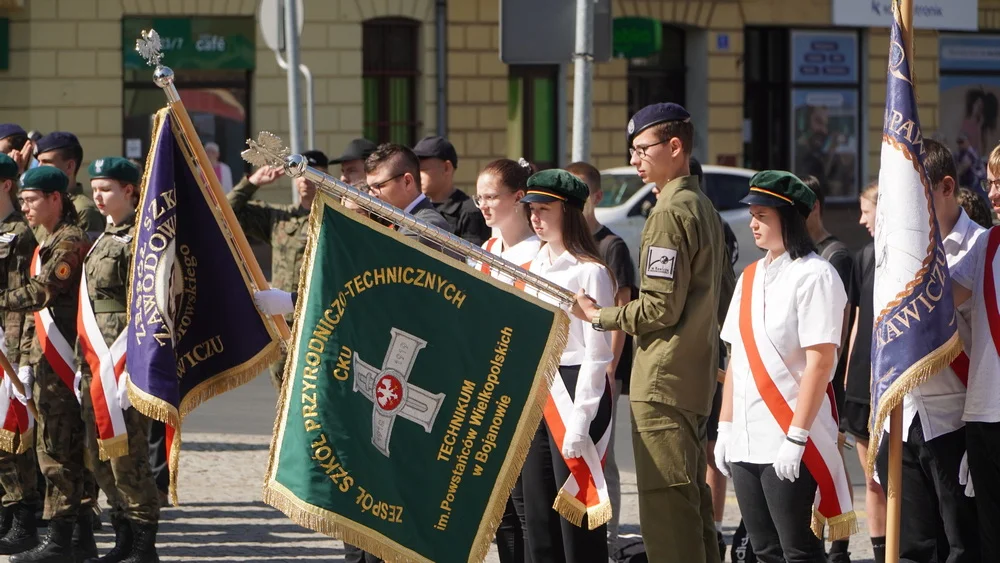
(31, 201)
(378, 186)
(991, 184)
(481, 200)
(642, 149)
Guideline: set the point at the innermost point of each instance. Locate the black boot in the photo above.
(143, 544)
(57, 547)
(22, 535)
(123, 542)
(6, 519)
(84, 545)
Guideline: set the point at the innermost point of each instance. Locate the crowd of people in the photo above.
(795, 326)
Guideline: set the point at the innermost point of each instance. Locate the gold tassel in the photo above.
(818, 524)
(598, 515)
(112, 447)
(7, 441)
(569, 508)
(26, 441)
(842, 526)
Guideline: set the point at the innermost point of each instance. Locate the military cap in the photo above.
(11, 129)
(556, 185)
(48, 179)
(653, 114)
(436, 147)
(777, 188)
(115, 168)
(8, 168)
(56, 140)
(357, 149)
(316, 158)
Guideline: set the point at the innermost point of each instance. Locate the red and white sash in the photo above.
(990, 289)
(106, 366)
(585, 491)
(779, 390)
(56, 349)
(17, 426)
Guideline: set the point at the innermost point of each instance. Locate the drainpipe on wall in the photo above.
(441, 29)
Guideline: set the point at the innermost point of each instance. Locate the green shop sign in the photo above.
(637, 37)
(195, 43)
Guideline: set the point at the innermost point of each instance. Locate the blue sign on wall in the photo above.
(722, 41)
(824, 57)
(969, 52)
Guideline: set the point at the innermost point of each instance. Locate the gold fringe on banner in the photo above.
(112, 447)
(337, 526)
(7, 440)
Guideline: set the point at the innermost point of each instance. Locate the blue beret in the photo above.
(556, 185)
(56, 140)
(11, 129)
(653, 114)
(115, 168)
(8, 168)
(46, 179)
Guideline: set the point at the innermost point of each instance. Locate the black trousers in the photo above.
(778, 514)
(983, 441)
(158, 455)
(356, 555)
(550, 537)
(511, 546)
(938, 521)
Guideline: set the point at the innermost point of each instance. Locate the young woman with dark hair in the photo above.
(577, 424)
(778, 427)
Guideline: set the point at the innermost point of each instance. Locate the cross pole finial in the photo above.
(149, 47)
(267, 150)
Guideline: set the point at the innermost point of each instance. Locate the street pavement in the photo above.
(221, 516)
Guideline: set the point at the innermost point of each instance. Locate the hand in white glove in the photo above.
(965, 477)
(78, 386)
(27, 378)
(786, 466)
(8, 387)
(721, 445)
(573, 444)
(123, 400)
(274, 302)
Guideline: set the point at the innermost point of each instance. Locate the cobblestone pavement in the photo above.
(221, 517)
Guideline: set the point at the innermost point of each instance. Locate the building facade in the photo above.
(797, 84)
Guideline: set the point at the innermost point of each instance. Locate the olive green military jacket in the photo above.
(107, 267)
(17, 246)
(283, 227)
(88, 217)
(57, 285)
(684, 269)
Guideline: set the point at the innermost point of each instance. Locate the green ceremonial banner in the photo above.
(411, 394)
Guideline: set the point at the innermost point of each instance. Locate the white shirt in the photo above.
(804, 302)
(414, 203)
(588, 348)
(520, 254)
(940, 400)
(982, 400)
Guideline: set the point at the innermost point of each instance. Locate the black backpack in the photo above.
(632, 550)
(742, 551)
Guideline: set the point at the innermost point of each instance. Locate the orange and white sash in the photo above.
(106, 366)
(485, 268)
(56, 349)
(779, 391)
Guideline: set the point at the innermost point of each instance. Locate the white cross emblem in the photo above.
(389, 392)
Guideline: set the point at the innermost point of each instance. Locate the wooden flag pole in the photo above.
(9, 370)
(894, 494)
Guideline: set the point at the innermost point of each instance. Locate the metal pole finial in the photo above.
(150, 48)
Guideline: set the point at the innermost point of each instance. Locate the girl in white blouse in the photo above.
(778, 427)
(569, 447)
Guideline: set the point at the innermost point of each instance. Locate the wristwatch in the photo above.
(595, 322)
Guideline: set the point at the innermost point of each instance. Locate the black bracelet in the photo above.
(794, 441)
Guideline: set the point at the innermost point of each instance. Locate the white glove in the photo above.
(27, 378)
(573, 444)
(786, 466)
(8, 387)
(274, 302)
(123, 401)
(965, 477)
(721, 445)
(78, 386)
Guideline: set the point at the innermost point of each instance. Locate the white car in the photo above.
(627, 202)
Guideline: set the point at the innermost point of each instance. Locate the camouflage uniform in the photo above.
(88, 217)
(59, 430)
(127, 480)
(17, 246)
(282, 227)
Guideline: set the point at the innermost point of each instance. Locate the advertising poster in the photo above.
(825, 138)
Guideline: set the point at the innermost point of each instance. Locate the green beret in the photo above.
(777, 188)
(556, 185)
(46, 179)
(115, 168)
(8, 168)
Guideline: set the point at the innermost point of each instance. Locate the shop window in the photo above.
(531, 114)
(390, 70)
(659, 77)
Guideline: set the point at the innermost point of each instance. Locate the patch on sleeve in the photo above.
(63, 271)
(660, 262)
